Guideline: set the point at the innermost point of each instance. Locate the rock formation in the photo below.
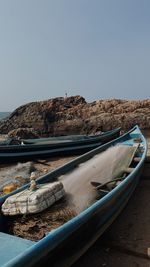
(73, 115)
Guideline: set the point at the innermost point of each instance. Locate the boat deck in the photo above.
(10, 248)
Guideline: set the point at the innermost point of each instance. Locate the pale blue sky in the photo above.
(95, 48)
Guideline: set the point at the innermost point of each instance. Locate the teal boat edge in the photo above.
(63, 246)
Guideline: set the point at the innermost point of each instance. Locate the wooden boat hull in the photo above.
(66, 244)
(31, 151)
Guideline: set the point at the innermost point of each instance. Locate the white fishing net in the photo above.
(102, 168)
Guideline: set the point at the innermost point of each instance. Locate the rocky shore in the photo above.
(73, 115)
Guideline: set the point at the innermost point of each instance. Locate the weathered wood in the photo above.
(98, 186)
(129, 170)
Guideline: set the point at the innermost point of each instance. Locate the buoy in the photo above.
(9, 188)
(33, 185)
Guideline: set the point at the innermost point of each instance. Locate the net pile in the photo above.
(35, 227)
(102, 168)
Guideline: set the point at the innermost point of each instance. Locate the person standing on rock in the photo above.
(65, 95)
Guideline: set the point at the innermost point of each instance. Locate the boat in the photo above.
(64, 245)
(57, 138)
(51, 139)
(50, 148)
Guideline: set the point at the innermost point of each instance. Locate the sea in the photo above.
(4, 115)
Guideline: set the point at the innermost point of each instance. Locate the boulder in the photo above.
(23, 133)
(73, 115)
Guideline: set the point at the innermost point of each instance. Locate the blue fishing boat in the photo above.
(65, 244)
(51, 148)
(51, 139)
(58, 138)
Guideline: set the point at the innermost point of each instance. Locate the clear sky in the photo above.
(95, 48)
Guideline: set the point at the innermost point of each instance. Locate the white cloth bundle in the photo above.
(27, 201)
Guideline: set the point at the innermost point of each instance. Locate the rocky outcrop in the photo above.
(23, 133)
(72, 115)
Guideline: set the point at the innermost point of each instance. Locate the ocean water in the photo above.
(4, 115)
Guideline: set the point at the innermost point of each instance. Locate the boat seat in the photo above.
(137, 140)
(108, 185)
(11, 246)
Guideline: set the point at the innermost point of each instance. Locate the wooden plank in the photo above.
(129, 170)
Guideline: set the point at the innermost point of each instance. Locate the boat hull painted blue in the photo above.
(29, 152)
(66, 244)
(80, 240)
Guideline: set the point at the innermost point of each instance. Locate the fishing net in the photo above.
(36, 227)
(17, 174)
(102, 168)
(79, 193)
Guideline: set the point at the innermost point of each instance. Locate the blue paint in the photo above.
(11, 246)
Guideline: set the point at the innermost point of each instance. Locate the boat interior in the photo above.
(85, 184)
